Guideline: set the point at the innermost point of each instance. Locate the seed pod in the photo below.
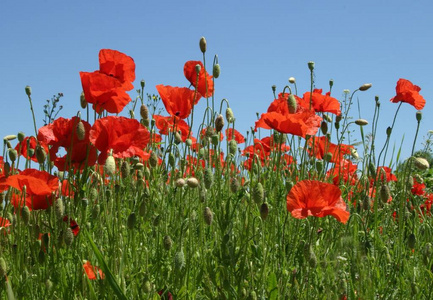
(208, 178)
(168, 242)
(68, 236)
(131, 220)
(208, 215)
(192, 182)
(110, 165)
(264, 211)
(179, 260)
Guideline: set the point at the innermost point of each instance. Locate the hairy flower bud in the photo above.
(131, 220)
(83, 101)
(292, 104)
(168, 242)
(292, 80)
(142, 83)
(365, 86)
(324, 127)
(208, 215)
(216, 71)
(180, 182)
(28, 90)
(388, 131)
(264, 211)
(192, 182)
(153, 160)
(311, 65)
(179, 260)
(229, 115)
(13, 154)
(258, 193)
(361, 122)
(233, 147)
(3, 268)
(411, 240)
(144, 112)
(40, 153)
(418, 115)
(25, 214)
(385, 193)
(421, 163)
(219, 123)
(21, 136)
(203, 44)
(234, 185)
(68, 236)
(208, 178)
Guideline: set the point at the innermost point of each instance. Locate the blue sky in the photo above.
(45, 44)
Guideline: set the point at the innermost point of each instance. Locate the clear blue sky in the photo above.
(45, 44)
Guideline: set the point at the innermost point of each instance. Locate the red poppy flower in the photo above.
(344, 171)
(418, 188)
(303, 122)
(106, 88)
(166, 295)
(320, 146)
(384, 173)
(409, 93)
(322, 103)
(39, 186)
(125, 137)
(62, 133)
(171, 124)
(234, 134)
(178, 101)
(23, 148)
(318, 199)
(205, 83)
(93, 272)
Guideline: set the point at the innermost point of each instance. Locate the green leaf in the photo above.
(108, 275)
(272, 286)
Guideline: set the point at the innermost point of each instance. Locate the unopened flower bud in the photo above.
(110, 165)
(192, 182)
(131, 220)
(311, 65)
(258, 193)
(168, 242)
(180, 182)
(208, 215)
(229, 115)
(81, 131)
(21, 136)
(324, 127)
(177, 138)
(411, 240)
(142, 83)
(28, 90)
(208, 178)
(10, 137)
(197, 68)
(292, 80)
(40, 154)
(234, 185)
(361, 122)
(203, 44)
(153, 160)
(233, 147)
(68, 236)
(219, 123)
(292, 104)
(13, 154)
(3, 268)
(365, 86)
(331, 83)
(421, 163)
(388, 131)
(264, 211)
(83, 101)
(179, 260)
(25, 214)
(327, 157)
(385, 193)
(216, 71)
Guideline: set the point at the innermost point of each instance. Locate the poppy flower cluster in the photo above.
(106, 88)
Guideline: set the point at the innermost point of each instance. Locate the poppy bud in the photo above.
(48, 285)
(83, 101)
(144, 112)
(361, 122)
(13, 154)
(234, 185)
(338, 118)
(125, 169)
(68, 236)
(197, 68)
(216, 71)
(324, 127)
(177, 138)
(168, 242)
(110, 165)
(274, 88)
(95, 211)
(252, 295)
(25, 214)
(292, 104)
(233, 146)
(388, 131)
(258, 193)
(411, 240)
(10, 137)
(208, 215)
(319, 165)
(311, 65)
(202, 194)
(131, 220)
(346, 91)
(421, 163)
(153, 160)
(385, 193)
(219, 123)
(40, 154)
(229, 115)
(142, 83)
(327, 157)
(337, 125)
(179, 260)
(292, 80)
(188, 142)
(208, 178)
(81, 131)
(156, 220)
(418, 115)
(203, 44)
(427, 253)
(192, 182)
(28, 90)
(264, 211)
(331, 83)
(365, 86)
(180, 182)
(215, 140)
(147, 286)
(21, 136)
(3, 268)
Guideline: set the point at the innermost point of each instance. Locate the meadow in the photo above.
(158, 202)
